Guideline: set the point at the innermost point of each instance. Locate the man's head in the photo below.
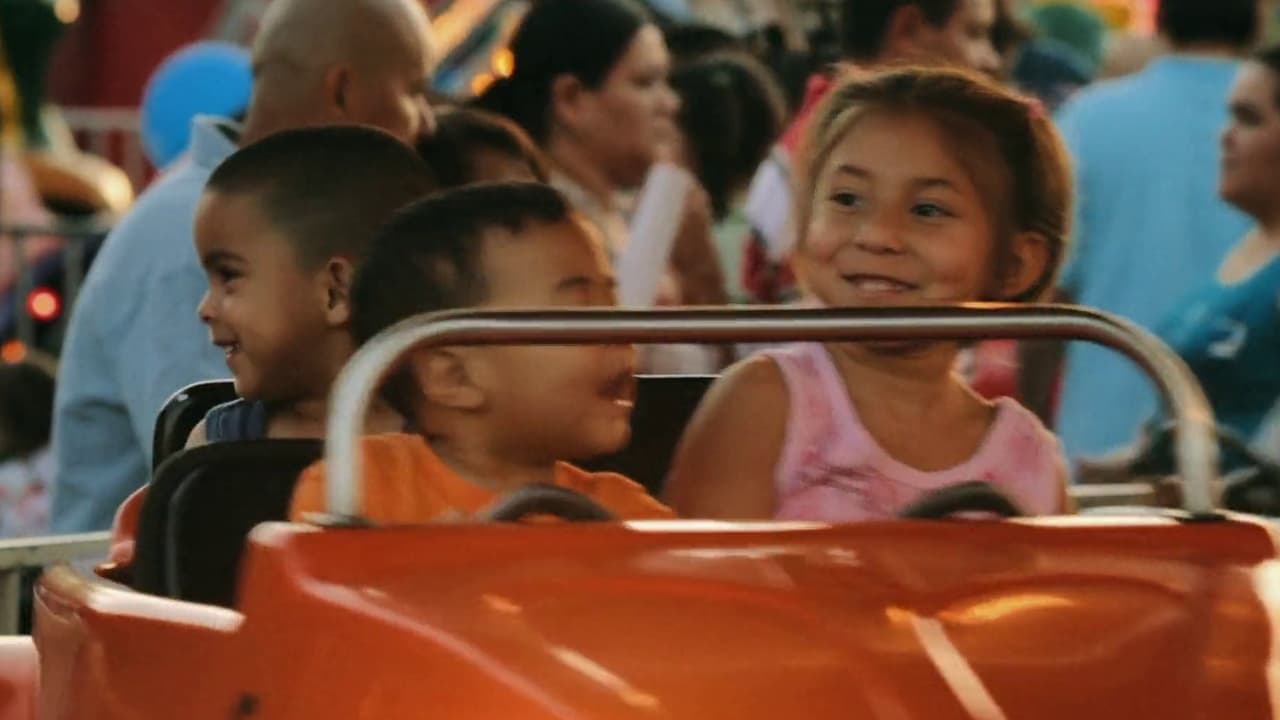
(279, 230)
(953, 32)
(500, 246)
(364, 62)
(1210, 24)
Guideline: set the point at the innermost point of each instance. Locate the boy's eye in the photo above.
(223, 275)
(931, 211)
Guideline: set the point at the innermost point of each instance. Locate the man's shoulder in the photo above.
(153, 238)
(1105, 98)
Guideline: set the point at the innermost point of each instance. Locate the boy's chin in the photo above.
(605, 441)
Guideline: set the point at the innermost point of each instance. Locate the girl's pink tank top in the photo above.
(832, 469)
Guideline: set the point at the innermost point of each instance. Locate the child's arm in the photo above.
(197, 437)
(724, 467)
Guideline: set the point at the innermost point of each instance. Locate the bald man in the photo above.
(134, 338)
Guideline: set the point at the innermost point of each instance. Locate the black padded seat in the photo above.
(664, 405)
(200, 508)
(182, 412)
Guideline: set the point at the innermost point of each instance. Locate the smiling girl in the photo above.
(917, 187)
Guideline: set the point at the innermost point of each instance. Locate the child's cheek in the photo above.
(821, 242)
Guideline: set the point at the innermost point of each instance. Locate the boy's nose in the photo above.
(205, 309)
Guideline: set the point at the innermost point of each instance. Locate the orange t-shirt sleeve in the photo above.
(624, 497)
(308, 494)
(394, 468)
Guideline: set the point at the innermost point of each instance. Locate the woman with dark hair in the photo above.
(1228, 330)
(589, 85)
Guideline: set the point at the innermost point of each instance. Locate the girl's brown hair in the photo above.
(1028, 189)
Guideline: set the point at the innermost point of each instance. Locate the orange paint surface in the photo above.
(687, 620)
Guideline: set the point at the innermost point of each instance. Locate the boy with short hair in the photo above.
(493, 419)
(280, 229)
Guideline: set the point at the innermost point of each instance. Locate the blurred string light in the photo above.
(67, 11)
(14, 351)
(44, 304)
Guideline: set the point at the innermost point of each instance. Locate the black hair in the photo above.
(1269, 56)
(26, 408)
(460, 134)
(428, 258)
(1211, 22)
(582, 38)
(863, 23)
(326, 188)
(731, 112)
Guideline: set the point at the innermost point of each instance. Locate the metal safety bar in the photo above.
(23, 553)
(1196, 445)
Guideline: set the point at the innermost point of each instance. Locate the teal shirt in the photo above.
(1229, 335)
(133, 340)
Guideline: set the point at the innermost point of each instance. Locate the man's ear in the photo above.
(446, 377)
(568, 101)
(337, 91)
(335, 281)
(1028, 261)
(902, 33)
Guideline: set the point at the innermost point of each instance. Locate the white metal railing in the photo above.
(24, 553)
(1196, 446)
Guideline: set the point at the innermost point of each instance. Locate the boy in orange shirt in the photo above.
(497, 418)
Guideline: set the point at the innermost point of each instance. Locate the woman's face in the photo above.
(1250, 177)
(629, 120)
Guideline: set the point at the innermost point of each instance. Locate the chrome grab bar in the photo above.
(1196, 446)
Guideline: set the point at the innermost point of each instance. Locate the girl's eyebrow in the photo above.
(854, 170)
(929, 183)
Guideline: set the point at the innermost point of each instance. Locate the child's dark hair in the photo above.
(1031, 188)
(1269, 57)
(581, 38)
(26, 408)
(863, 23)
(429, 258)
(731, 112)
(327, 188)
(461, 134)
(1209, 22)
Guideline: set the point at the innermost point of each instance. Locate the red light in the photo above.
(44, 304)
(13, 351)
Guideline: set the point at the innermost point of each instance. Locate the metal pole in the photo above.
(10, 600)
(1196, 444)
(20, 554)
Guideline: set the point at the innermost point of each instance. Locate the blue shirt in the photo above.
(236, 421)
(1229, 335)
(133, 340)
(1149, 227)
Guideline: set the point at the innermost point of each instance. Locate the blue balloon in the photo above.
(207, 78)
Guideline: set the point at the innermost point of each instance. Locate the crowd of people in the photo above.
(957, 151)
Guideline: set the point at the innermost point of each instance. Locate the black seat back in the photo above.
(182, 412)
(200, 508)
(664, 405)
